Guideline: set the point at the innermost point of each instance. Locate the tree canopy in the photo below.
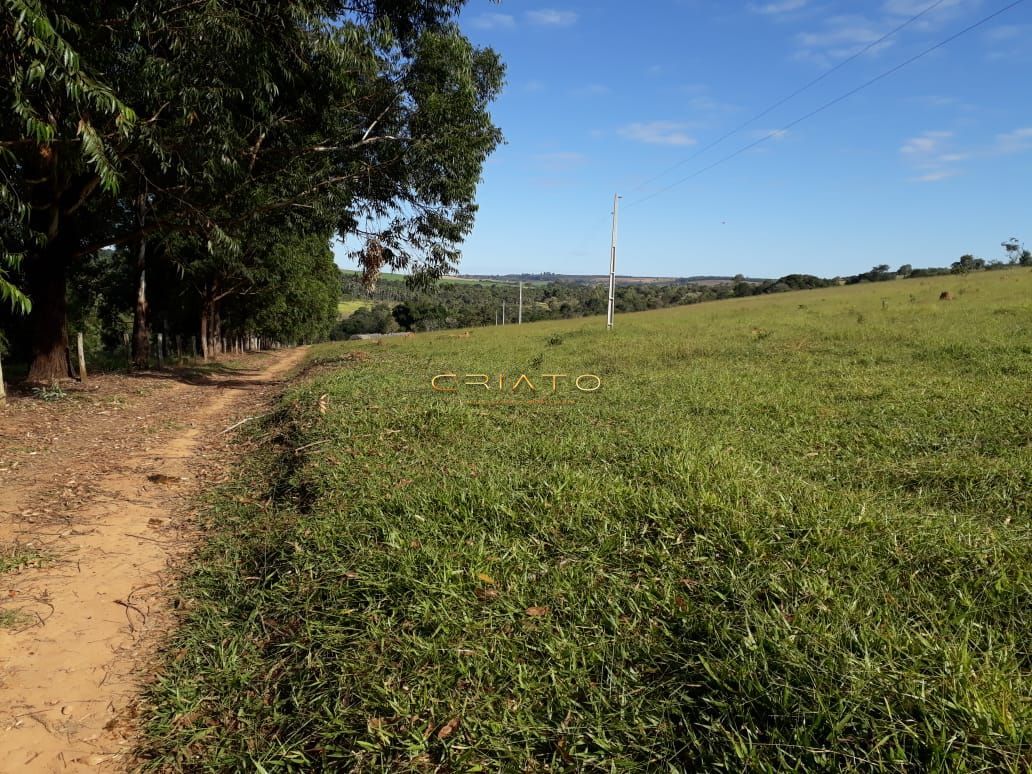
(195, 135)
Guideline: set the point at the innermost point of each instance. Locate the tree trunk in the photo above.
(45, 270)
(45, 278)
(204, 330)
(216, 329)
(141, 311)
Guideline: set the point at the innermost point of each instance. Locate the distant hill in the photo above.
(389, 277)
(601, 279)
(574, 279)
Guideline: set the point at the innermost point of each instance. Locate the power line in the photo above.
(832, 103)
(793, 95)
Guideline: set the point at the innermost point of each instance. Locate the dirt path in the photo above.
(102, 496)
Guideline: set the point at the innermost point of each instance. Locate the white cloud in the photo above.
(841, 30)
(775, 8)
(494, 21)
(657, 133)
(1005, 32)
(841, 37)
(705, 104)
(1007, 43)
(844, 35)
(777, 135)
(549, 17)
(926, 144)
(931, 156)
(914, 7)
(935, 177)
(1018, 141)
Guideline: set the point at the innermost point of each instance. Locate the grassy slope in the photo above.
(348, 308)
(450, 278)
(788, 531)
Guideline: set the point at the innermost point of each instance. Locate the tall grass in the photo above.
(789, 532)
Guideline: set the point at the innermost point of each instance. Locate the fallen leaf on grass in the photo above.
(448, 728)
(486, 578)
(537, 612)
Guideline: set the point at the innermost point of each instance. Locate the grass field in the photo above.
(387, 276)
(788, 532)
(348, 308)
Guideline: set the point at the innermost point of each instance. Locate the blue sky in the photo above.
(929, 163)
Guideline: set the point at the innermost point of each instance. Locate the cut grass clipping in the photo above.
(788, 532)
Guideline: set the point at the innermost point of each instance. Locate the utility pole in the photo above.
(612, 265)
(520, 319)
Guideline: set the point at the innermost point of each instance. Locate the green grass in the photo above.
(789, 532)
(348, 308)
(383, 275)
(15, 556)
(387, 276)
(12, 618)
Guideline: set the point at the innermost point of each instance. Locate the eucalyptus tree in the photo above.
(295, 292)
(131, 121)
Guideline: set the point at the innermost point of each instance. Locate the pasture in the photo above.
(789, 531)
(348, 308)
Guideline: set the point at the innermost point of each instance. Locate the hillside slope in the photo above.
(787, 532)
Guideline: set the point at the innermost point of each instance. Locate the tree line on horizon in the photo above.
(183, 167)
(394, 305)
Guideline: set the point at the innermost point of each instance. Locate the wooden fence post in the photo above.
(161, 350)
(128, 351)
(82, 358)
(3, 392)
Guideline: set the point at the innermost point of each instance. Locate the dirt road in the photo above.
(96, 501)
